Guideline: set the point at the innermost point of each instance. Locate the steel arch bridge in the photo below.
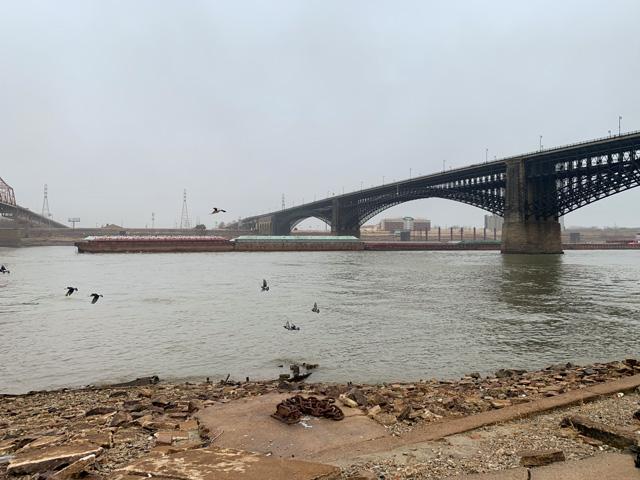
(530, 191)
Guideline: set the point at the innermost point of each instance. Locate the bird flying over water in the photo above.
(265, 287)
(95, 297)
(315, 308)
(217, 210)
(70, 291)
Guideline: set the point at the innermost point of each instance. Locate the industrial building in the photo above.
(406, 223)
(493, 222)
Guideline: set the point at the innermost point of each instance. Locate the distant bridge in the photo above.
(530, 191)
(10, 209)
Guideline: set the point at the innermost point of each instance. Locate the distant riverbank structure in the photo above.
(393, 224)
(185, 223)
(493, 221)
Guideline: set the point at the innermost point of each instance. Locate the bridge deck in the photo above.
(21, 213)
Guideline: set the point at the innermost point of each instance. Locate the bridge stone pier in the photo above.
(523, 231)
(344, 220)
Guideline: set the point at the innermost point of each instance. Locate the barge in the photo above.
(155, 244)
(408, 246)
(251, 243)
(294, 243)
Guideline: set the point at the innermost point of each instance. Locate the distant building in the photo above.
(393, 224)
(493, 222)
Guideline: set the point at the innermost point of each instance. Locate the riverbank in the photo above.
(119, 424)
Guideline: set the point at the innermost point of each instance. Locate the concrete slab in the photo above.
(609, 466)
(513, 474)
(225, 464)
(46, 458)
(248, 425)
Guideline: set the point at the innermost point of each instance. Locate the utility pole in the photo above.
(45, 203)
(153, 220)
(184, 218)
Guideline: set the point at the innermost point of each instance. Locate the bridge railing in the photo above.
(570, 145)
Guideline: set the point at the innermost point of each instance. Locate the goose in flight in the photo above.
(95, 297)
(217, 210)
(70, 291)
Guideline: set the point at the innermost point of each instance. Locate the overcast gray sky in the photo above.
(118, 105)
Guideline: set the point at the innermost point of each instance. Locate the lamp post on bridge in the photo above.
(619, 125)
(486, 155)
(540, 142)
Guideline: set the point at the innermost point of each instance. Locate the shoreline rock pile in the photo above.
(403, 405)
(61, 434)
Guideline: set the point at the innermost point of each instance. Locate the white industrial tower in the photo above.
(184, 219)
(45, 203)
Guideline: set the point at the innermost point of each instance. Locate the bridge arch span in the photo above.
(298, 221)
(492, 202)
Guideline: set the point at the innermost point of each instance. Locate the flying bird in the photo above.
(70, 291)
(95, 297)
(217, 210)
(315, 308)
(265, 287)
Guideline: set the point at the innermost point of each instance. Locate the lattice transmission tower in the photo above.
(45, 203)
(184, 218)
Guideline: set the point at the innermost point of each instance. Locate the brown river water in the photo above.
(384, 316)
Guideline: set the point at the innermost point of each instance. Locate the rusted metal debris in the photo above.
(291, 410)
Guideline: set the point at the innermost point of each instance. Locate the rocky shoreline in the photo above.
(95, 431)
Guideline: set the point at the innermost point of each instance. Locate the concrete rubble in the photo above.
(94, 432)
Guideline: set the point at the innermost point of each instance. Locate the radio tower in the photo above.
(184, 219)
(45, 203)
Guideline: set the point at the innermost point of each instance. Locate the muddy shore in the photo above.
(114, 425)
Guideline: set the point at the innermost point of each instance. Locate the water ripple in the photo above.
(384, 315)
